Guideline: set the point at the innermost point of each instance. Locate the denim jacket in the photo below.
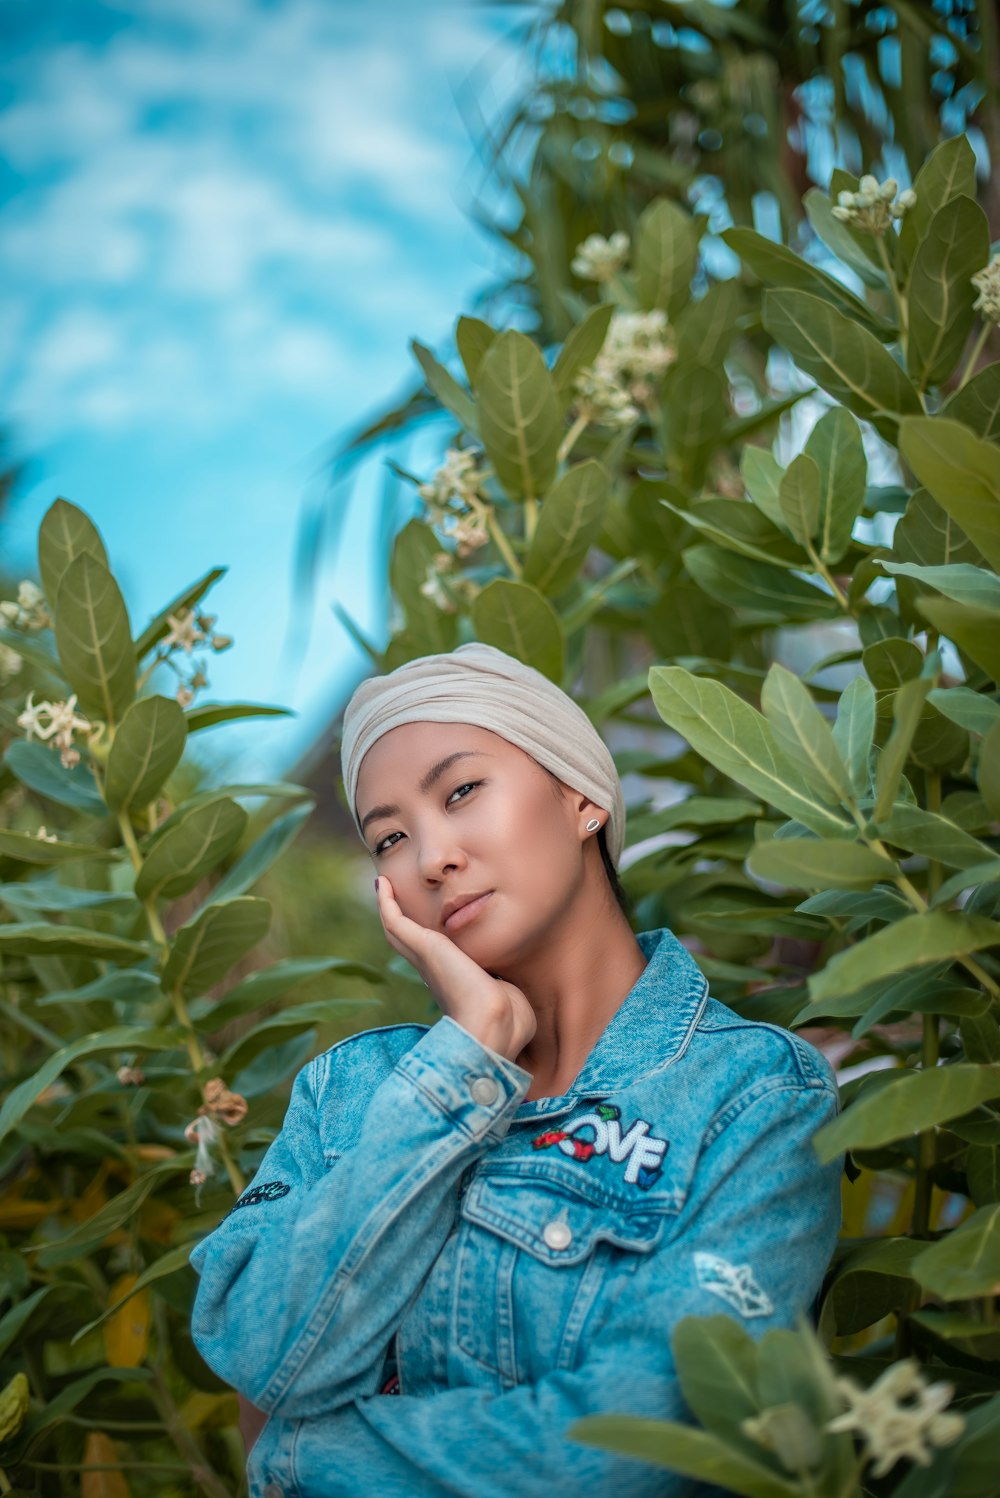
(506, 1267)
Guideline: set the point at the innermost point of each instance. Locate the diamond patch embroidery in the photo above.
(733, 1283)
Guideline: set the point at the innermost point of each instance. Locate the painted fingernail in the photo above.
(376, 886)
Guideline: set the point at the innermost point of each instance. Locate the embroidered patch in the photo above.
(641, 1151)
(733, 1283)
(268, 1191)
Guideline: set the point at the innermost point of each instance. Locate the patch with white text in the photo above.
(733, 1283)
(600, 1133)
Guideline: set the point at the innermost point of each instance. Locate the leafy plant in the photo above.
(145, 1044)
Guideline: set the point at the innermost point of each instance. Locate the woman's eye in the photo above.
(470, 785)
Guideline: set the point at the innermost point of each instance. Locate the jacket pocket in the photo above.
(536, 1250)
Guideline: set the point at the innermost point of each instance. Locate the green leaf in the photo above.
(88, 1235)
(854, 731)
(716, 1363)
(45, 940)
(297, 1017)
(159, 627)
(909, 1103)
(119, 1038)
(837, 237)
(800, 498)
(50, 895)
(473, 337)
(262, 854)
(977, 404)
(775, 265)
(131, 987)
(928, 536)
(932, 835)
(65, 533)
(94, 639)
(907, 706)
(569, 522)
(446, 388)
(987, 872)
(988, 774)
(682, 1448)
(871, 1281)
(147, 748)
(891, 662)
(13, 1323)
(845, 359)
(961, 472)
(976, 631)
(583, 344)
(188, 850)
(761, 474)
(275, 982)
(694, 407)
(972, 710)
(167, 1263)
(836, 447)
(516, 618)
(982, 1168)
(961, 581)
(520, 420)
(705, 328)
(967, 1262)
(804, 734)
(666, 253)
(739, 742)
(412, 562)
(208, 714)
(203, 951)
(948, 172)
(39, 768)
(738, 526)
(741, 582)
(940, 293)
(818, 863)
(906, 944)
(27, 848)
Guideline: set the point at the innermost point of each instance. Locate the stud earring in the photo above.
(593, 824)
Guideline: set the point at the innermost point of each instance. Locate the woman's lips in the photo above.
(467, 913)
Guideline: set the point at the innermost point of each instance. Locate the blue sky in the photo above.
(223, 222)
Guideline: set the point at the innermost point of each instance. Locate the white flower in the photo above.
(872, 206)
(457, 478)
(184, 630)
(46, 837)
(184, 696)
(10, 663)
(598, 259)
(633, 359)
(29, 612)
(130, 1076)
(892, 1429)
(987, 283)
(63, 720)
(433, 589)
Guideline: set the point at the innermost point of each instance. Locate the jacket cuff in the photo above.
(477, 1088)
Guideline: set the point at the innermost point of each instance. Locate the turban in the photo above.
(484, 686)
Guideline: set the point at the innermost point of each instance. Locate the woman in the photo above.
(500, 1218)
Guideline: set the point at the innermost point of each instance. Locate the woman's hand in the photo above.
(494, 1011)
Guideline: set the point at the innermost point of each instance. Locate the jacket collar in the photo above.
(651, 1028)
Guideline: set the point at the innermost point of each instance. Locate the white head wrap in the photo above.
(484, 686)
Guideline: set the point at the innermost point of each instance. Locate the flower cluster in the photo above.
(892, 1428)
(188, 629)
(873, 207)
(28, 612)
(459, 482)
(220, 1107)
(987, 283)
(56, 721)
(10, 662)
(599, 259)
(627, 372)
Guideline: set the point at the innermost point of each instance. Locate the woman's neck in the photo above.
(575, 999)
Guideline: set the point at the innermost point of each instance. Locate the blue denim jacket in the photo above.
(518, 1264)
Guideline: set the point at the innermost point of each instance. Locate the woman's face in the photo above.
(492, 819)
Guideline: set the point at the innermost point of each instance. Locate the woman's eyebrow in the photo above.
(433, 775)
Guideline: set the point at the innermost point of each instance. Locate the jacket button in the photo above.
(557, 1234)
(485, 1090)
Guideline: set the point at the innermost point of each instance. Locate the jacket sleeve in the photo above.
(302, 1284)
(755, 1241)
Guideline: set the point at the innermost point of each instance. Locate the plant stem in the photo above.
(502, 544)
(569, 441)
(236, 1178)
(925, 1160)
(530, 518)
(977, 349)
(206, 1479)
(828, 578)
(900, 304)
